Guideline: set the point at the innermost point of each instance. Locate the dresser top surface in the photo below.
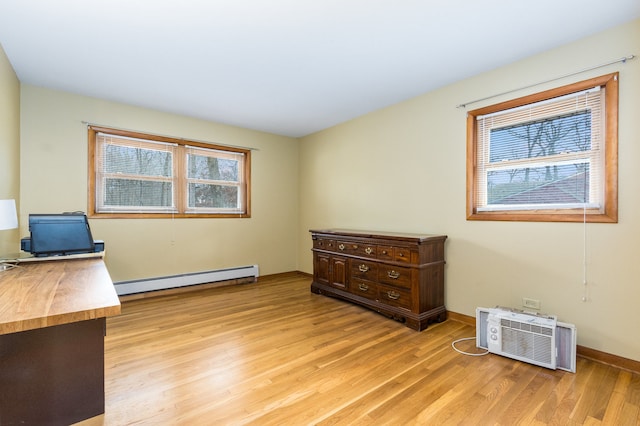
(379, 234)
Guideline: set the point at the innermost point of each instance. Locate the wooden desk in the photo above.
(52, 326)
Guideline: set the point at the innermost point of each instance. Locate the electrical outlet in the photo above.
(530, 303)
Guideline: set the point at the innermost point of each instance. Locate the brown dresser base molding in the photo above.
(417, 322)
(398, 275)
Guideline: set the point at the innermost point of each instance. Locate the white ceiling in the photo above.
(289, 67)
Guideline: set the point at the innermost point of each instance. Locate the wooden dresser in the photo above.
(398, 275)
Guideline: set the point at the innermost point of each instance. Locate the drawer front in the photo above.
(395, 296)
(385, 252)
(395, 275)
(364, 288)
(324, 244)
(363, 269)
(401, 254)
(346, 247)
(355, 248)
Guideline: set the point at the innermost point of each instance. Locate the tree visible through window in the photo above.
(138, 175)
(560, 182)
(551, 156)
(212, 180)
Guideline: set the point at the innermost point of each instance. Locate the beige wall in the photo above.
(403, 169)
(9, 147)
(397, 169)
(54, 179)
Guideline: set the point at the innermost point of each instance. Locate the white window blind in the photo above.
(545, 155)
(134, 175)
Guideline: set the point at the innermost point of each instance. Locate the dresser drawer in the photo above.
(397, 254)
(394, 275)
(384, 252)
(324, 244)
(364, 288)
(356, 249)
(394, 296)
(401, 254)
(365, 270)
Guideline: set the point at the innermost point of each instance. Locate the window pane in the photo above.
(130, 192)
(213, 196)
(137, 161)
(548, 156)
(212, 168)
(553, 184)
(557, 135)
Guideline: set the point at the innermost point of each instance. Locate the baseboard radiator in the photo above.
(184, 280)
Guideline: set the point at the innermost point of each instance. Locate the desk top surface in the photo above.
(42, 294)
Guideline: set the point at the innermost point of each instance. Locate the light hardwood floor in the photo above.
(272, 353)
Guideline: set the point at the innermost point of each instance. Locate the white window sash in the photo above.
(500, 119)
(550, 206)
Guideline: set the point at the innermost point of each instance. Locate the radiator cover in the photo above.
(183, 280)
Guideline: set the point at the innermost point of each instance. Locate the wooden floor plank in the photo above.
(272, 353)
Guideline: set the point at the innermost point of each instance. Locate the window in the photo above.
(551, 156)
(139, 175)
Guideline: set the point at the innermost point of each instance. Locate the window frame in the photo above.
(607, 213)
(180, 179)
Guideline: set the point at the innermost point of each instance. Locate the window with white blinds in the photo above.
(138, 175)
(546, 157)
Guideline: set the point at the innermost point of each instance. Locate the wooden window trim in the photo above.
(609, 211)
(180, 194)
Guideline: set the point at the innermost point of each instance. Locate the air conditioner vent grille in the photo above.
(531, 346)
(518, 325)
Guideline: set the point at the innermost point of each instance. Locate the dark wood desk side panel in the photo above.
(47, 365)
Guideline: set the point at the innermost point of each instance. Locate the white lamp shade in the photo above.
(8, 215)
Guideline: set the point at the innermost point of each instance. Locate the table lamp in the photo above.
(8, 220)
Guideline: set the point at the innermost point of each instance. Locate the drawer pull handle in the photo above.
(363, 287)
(368, 250)
(400, 254)
(341, 246)
(393, 274)
(384, 252)
(355, 247)
(363, 268)
(393, 295)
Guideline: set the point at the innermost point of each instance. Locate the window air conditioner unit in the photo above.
(529, 337)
